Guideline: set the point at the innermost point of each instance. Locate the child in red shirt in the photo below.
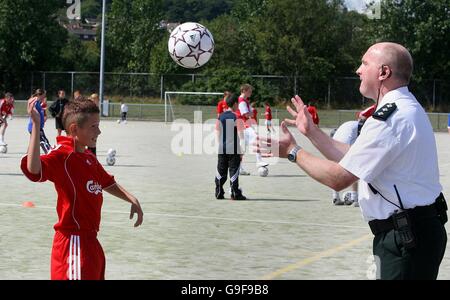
(222, 104)
(6, 109)
(79, 180)
(268, 116)
(313, 111)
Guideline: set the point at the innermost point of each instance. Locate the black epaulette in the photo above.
(384, 112)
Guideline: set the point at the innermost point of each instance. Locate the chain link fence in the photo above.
(337, 93)
(156, 113)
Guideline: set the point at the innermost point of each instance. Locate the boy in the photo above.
(229, 132)
(244, 113)
(313, 111)
(6, 109)
(123, 113)
(57, 109)
(268, 116)
(222, 104)
(39, 96)
(79, 180)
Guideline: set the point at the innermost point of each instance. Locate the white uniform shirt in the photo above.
(401, 151)
(124, 108)
(347, 132)
(243, 108)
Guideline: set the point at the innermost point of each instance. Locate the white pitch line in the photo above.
(212, 218)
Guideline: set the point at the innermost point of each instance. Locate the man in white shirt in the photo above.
(395, 159)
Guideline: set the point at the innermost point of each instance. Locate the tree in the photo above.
(194, 10)
(133, 30)
(30, 39)
(423, 27)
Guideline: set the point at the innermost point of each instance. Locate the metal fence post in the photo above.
(295, 85)
(71, 84)
(32, 79)
(329, 95)
(434, 94)
(162, 87)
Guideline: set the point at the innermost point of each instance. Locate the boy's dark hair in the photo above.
(231, 100)
(78, 111)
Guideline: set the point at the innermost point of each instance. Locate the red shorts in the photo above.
(77, 256)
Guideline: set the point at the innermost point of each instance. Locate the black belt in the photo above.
(416, 213)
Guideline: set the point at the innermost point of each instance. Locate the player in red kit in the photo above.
(79, 180)
(6, 109)
(268, 116)
(222, 104)
(244, 113)
(313, 111)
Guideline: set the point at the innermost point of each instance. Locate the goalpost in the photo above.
(169, 114)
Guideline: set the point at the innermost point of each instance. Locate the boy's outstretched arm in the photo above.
(120, 192)
(33, 160)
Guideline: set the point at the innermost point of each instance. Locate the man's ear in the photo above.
(73, 128)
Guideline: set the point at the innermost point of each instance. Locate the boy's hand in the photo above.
(32, 111)
(136, 208)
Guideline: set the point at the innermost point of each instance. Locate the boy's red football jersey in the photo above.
(221, 106)
(268, 113)
(79, 180)
(6, 108)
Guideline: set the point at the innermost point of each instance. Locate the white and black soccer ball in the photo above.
(110, 160)
(263, 171)
(191, 45)
(111, 152)
(3, 149)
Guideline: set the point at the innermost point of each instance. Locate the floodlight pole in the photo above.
(102, 56)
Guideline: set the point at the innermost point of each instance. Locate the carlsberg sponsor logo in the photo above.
(93, 187)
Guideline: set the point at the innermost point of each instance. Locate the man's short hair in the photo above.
(245, 87)
(78, 111)
(231, 100)
(400, 60)
(8, 95)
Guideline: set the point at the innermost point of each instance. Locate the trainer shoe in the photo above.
(348, 199)
(337, 201)
(220, 193)
(356, 203)
(238, 197)
(243, 172)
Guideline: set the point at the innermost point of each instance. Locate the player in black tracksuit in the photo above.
(229, 133)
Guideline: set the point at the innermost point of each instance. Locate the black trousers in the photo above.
(231, 163)
(43, 141)
(421, 262)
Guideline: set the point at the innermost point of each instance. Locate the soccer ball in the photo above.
(191, 45)
(263, 171)
(110, 160)
(111, 152)
(3, 149)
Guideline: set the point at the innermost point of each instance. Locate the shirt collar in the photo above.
(391, 96)
(66, 141)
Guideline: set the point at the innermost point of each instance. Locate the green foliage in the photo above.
(315, 41)
(91, 9)
(133, 30)
(194, 10)
(30, 39)
(79, 55)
